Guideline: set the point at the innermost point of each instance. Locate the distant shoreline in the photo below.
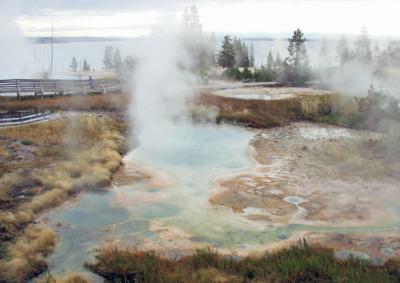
(74, 39)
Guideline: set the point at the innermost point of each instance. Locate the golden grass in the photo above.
(105, 102)
(266, 113)
(91, 148)
(28, 253)
(71, 278)
(49, 132)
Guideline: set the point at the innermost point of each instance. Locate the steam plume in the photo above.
(13, 57)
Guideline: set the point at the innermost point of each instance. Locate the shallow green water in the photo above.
(191, 156)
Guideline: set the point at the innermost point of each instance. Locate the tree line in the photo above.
(75, 66)
(383, 61)
(239, 62)
(235, 54)
(295, 67)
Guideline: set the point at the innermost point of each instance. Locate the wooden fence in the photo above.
(56, 87)
(22, 117)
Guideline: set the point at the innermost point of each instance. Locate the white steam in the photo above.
(162, 84)
(14, 60)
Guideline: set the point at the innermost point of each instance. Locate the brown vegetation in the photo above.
(80, 153)
(268, 113)
(300, 263)
(103, 102)
(72, 278)
(27, 256)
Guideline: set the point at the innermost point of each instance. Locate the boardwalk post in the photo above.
(41, 88)
(18, 89)
(104, 89)
(83, 87)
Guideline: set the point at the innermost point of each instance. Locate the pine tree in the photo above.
(278, 65)
(74, 65)
(226, 56)
(237, 46)
(270, 61)
(117, 60)
(377, 53)
(108, 58)
(252, 59)
(363, 47)
(343, 51)
(297, 62)
(198, 44)
(86, 66)
(245, 56)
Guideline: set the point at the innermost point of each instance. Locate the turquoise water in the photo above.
(191, 156)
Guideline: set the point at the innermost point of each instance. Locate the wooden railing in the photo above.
(57, 87)
(22, 117)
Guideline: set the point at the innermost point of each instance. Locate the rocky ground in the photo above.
(322, 176)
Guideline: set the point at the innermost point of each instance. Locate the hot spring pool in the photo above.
(192, 157)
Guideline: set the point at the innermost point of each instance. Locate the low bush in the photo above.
(299, 263)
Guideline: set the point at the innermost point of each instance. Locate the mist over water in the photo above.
(162, 83)
(14, 59)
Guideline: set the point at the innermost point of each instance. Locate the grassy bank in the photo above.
(102, 102)
(374, 111)
(300, 263)
(42, 165)
(268, 113)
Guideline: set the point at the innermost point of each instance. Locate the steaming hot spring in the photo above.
(236, 190)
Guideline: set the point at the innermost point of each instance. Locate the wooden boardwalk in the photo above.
(26, 87)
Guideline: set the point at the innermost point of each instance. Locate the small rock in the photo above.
(346, 254)
(386, 251)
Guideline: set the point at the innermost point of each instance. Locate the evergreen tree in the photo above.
(278, 65)
(363, 47)
(226, 56)
(297, 63)
(127, 68)
(241, 53)
(108, 58)
(117, 60)
(377, 53)
(74, 65)
(245, 56)
(270, 61)
(191, 19)
(252, 59)
(199, 45)
(343, 51)
(86, 66)
(237, 46)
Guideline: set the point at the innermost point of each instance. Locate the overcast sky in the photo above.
(138, 17)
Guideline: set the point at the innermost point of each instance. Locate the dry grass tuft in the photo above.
(71, 278)
(28, 254)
